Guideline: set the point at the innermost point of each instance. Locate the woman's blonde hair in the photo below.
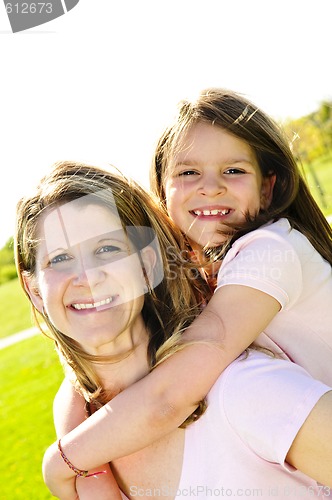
(168, 308)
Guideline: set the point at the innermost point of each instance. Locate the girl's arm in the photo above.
(69, 411)
(161, 401)
(311, 451)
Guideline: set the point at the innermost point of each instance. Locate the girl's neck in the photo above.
(209, 269)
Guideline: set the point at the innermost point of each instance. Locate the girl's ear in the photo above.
(267, 190)
(33, 292)
(149, 260)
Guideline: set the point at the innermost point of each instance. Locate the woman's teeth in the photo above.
(93, 305)
(224, 211)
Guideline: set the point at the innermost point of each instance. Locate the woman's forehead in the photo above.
(77, 221)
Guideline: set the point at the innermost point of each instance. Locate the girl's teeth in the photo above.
(211, 212)
(94, 305)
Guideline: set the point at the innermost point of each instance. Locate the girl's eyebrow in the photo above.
(233, 161)
(185, 162)
(230, 161)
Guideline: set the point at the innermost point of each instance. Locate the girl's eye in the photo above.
(60, 258)
(234, 171)
(187, 173)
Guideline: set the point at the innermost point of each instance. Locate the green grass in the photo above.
(30, 374)
(14, 309)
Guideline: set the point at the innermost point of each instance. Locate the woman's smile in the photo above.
(92, 305)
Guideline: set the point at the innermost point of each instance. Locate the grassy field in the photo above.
(30, 374)
(14, 309)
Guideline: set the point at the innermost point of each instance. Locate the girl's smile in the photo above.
(214, 178)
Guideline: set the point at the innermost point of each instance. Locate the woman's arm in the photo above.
(162, 400)
(311, 451)
(69, 411)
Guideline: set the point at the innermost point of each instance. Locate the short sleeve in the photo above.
(266, 261)
(266, 401)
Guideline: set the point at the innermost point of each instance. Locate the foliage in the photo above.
(30, 375)
(311, 135)
(7, 264)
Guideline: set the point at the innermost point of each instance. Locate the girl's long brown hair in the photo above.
(232, 112)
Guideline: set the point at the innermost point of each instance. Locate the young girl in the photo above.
(93, 255)
(227, 176)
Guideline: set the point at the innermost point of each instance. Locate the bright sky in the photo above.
(99, 83)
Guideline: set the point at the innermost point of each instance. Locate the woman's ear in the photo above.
(268, 183)
(33, 291)
(149, 259)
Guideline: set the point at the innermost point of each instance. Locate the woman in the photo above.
(115, 303)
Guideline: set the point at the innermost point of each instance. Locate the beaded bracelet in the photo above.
(78, 472)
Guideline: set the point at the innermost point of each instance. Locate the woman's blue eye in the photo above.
(109, 249)
(60, 258)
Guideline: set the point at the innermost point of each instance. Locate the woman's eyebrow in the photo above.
(112, 239)
(47, 254)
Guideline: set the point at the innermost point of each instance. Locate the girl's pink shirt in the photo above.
(281, 262)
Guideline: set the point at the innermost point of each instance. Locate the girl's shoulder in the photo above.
(279, 233)
(280, 227)
(257, 385)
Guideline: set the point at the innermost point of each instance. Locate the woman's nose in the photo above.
(87, 273)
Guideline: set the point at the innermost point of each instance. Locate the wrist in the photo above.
(54, 468)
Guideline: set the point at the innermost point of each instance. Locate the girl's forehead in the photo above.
(77, 221)
(203, 138)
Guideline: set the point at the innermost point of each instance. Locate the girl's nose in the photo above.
(212, 184)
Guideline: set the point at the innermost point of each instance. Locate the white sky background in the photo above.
(99, 83)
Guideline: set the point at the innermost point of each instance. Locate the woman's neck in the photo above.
(127, 368)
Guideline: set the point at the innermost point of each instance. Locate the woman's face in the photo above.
(89, 279)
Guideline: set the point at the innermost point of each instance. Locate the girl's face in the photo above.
(214, 178)
(89, 279)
